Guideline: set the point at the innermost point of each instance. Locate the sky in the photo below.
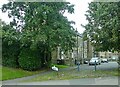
(81, 6)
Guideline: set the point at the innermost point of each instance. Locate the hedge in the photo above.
(10, 54)
(29, 59)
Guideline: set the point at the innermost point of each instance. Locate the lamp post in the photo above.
(77, 44)
(83, 50)
(77, 47)
(78, 61)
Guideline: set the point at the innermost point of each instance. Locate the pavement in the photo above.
(85, 81)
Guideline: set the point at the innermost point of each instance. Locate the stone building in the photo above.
(109, 55)
(83, 51)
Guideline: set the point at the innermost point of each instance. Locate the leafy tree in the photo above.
(1, 41)
(103, 25)
(0, 28)
(10, 46)
(42, 22)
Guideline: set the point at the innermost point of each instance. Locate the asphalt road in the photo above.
(85, 81)
(102, 66)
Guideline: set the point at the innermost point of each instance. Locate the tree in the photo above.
(103, 25)
(1, 40)
(10, 46)
(42, 22)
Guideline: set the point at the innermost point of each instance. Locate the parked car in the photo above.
(94, 61)
(113, 58)
(86, 62)
(104, 60)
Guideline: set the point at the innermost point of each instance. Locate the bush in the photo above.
(10, 54)
(29, 59)
(44, 54)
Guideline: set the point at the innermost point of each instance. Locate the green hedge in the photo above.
(14, 55)
(10, 54)
(29, 59)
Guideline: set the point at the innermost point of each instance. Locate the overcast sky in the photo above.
(81, 6)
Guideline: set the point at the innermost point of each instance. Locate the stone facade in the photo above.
(82, 51)
(108, 55)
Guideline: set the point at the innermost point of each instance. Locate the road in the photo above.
(103, 66)
(85, 81)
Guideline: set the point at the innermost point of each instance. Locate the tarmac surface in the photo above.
(85, 81)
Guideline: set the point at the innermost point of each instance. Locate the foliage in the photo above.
(29, 59)
(10, 54)
(42, 22)
(0, 41)
(0, 28)
(10, 47)
(103, 25)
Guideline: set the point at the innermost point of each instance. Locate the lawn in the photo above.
(61, 66)
(0, 73)
(11, 73)
(74, 74)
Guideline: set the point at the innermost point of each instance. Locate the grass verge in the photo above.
(74, 74)
(61, 66)
(11, 73)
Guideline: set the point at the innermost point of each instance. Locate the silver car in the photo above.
(95, 60)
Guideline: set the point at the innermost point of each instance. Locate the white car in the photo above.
(113, 58)
(94, 61)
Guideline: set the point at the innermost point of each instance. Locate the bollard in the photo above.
(95, 65)
(78, 66)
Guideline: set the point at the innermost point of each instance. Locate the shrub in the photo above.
(29, 59)
(10, 54)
